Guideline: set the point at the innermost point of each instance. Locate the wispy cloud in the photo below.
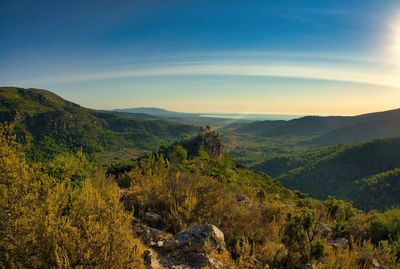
(256, 69)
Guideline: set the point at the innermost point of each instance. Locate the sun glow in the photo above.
(396, 42)
(394, 52)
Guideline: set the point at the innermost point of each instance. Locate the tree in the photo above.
(301, 236)
(178, 154)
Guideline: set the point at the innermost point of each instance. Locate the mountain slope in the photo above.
(378, 190)
(360, 132)
(260, 127)
(134, 115)
(149, 110)
(197, 119)
(309, 125)
(331, 130)
(276, 166)
(341, 172)
(50, 125)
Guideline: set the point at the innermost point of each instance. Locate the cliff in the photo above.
(208, 140)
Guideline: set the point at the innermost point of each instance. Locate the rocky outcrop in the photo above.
(202, 239)
(150, 236)
(191, 248)
(208, 140)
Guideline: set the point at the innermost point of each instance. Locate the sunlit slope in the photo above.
(50, 125)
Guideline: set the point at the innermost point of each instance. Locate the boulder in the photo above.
(188, 249)
(171, 245)
(340, 242)
(203, 238)
(243, 200)
(151, 236)
(152, 219)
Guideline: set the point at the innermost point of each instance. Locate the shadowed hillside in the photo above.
(330, 130)
(351, 172)
(362, 131)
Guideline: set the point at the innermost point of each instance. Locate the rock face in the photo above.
(207, 140)
(188, 249)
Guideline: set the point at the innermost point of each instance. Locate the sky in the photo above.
(319, 57)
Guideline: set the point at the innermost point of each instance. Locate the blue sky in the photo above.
(298, 57)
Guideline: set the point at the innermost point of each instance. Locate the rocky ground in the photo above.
(191, 248)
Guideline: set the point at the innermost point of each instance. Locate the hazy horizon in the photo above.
(237, 114)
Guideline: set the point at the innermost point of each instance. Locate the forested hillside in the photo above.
(360, 132)
(351, 172)
(378, 191)
(197, 119)
(49, 125)
(330, 130)
(279, 164)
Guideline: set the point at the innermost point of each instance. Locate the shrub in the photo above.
(46, 223)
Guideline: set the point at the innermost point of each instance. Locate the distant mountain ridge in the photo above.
(331, 129)
(51, 125)
(134, 115)
(148, 110)
(198, 119)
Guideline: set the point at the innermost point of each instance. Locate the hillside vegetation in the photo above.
(197, 119)
(278, 164)
(364, 173)
(360, 132)
(49, 125)
(330, 130)
(66, 213)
